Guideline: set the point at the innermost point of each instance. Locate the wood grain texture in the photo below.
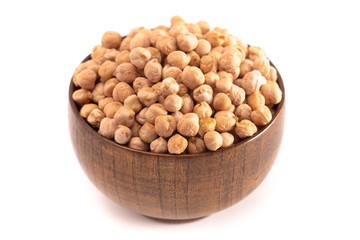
(176, 187)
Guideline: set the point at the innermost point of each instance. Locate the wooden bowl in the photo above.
(176, 187)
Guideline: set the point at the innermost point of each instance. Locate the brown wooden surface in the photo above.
(176, 186)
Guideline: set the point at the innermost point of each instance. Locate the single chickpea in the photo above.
(187, 42)
(215, 53)
(194, 59)
(178, 59)
(178, 29)
(107, 127)
(147, 133)
(203, 93)
(95, 117)
(111, 108)
(182, 90)
(224, 74)
(223, 85)
(262, 64)
(252, 82)
(134, 31)
(176, 19)
(227, 139)
(86, 109)
(177, 144)
(98, 53)
(236, 94)
(230, 40)
(196, 145)
(208, 64)
(98, 92)
(235, 50)
(125, 116)
(222, 102)
(254, 52)
(107, 69)
(204, 26)
(103, 102)
(86, 79)
(125, 44)
(225, 121)
(109, 86)
(188, 104)
(188, 125)
(192, 77)
(126, 72)
(232, 108)
(133, 102)
(153, 71)
(177, 115)
(123, 57)
(139, 57)
(271, 92)
(162, 27)
(148, 96)
(173, 103)
(121, 91)
(154, 111)
(139, 40)
(272, 76)
(261, 115)
(165, 125)
(82, 96)
(211, 78)
(135, 129)
(157, 87)
(111, 39)
(213, 140)
(245, 128)
(243, 111)
(122, 134)
(235, 73)
(141, 82)
(173, 72)
(193, 28)
(255, 99)
(155, 54)
(90, 64)
(203, 47)
(141, 116)
(206, 125)
(138, 144)
(203, 110)
(169, 86)
(215, 38)
(110, 54)
(245, 67)
(155, 34)
(159, 145)
(229, 62)
(166, 44)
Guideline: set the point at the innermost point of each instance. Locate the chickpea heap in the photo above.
(178, 89)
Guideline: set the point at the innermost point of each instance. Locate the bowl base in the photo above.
(175, 221)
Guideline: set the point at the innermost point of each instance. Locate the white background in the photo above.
(312, 192)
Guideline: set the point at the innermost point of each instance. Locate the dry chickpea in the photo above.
(177, 144)
(153, 70)
(245, 67)
(95, 117)
(155, 34)
(123, 57)
(223, 85)
(141, 82)
(182, 90)
(213, 140)
(178, 59)
(193, 28)
(229, 62)
(109, 86)
(166, 44)
(159, 145)
(121, 91)
(215, 38)
(227, 139)
(225, 121)
(204, 26)
(255, 99)
(243, 111)
(262, 64)
(222, 102)
(111, 108)
(139, 40)
(90, 64)
(188, 125)
(125, 116)
(176, 19)
(187, 42)
(173, 72)
(188, 104)
(224, 75)
(134, 31)
(208, 64)
(82, 96)
(98, 53)
(98, 92)
(147, 133)
(245, 128)
(236, 94)
(148, 96)
(138, 144)
(107, 127)
(169, 86)
(271, 92)
(177, 115)
(178, 29)
(103, 102)
(254, 52)
(203, 110)
(216, 53)
(232, 108)
(157, 87)
(139, 57)
(165, 125)
(154, 111)
(133, 102)
(206, 125)
(203, 93)
(203, 47)
(122, 134)
(125, 44)
(272, 76)
(141, 116)
(196, 145)
(86, 109)
(107, 69)
(110, 54)
(173, 103)
(211, 78)
(111, 39)
(155, 54)
(126, 72)
(86, 79)
(135, 129)
(194, 59)
(252, 82)
(192, 77)
(261, 115)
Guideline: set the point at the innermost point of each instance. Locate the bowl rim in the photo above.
(280, 108)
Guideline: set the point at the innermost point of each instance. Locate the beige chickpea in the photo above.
(232, 108)
(138, 144)
(177, 29)
(125, 44)
(204, 26)
(261, 115)
(176, 19)
(193, 28)
(255, 52)
(107, 127)
(262, 64)
(139, 57)
(236, 94)
(245, 67)
(153, 111)
(203, 93)
(235, 50)
(125, 116)
(82, 96)
(215, 38)
(110, 54)
(235, 73)
(98, 53)
(213, 140)
(147, 133)
(229, 61)
(141, 116)
(139, 40)
(243, 111)
(206, 125)
(86, 109)
(90, 64)
(173, 72)
(177, 144)
(133, 102)
(126, 72)
(95, 117)
(223, 85)
(86, 79)
(224, 75)
(169, 86)
(153, 71)
(211, 78)
(178, 59)
(155, 54)
(192, 77)
(227, 139)
(203, 47)
(141, 82)
(159, 145)
(182, 90)
(255, 99)
(225, 121)
(203, 110)
(245, 128)
(272, 76)
(222, 102)
(188, 104)
(166, 44)
(123, 57)
(252, 82)
(177, 115)
(188, 125)
(271, 92)
(103, 102)
(215, 53)
(208, 64)
(98, 92)
(157, 87)
(107, 69)
(134, 31)
(148, 96)
(111, 39)
(111, 108)
(165, 125)
(173, 103)
(186, 42)
(109, 86)
(135, 129)
(121, 91)
(196, 145)
(155, 34)
(194, 59)
(122, 134)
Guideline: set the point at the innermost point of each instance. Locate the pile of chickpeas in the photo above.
(178, 89)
